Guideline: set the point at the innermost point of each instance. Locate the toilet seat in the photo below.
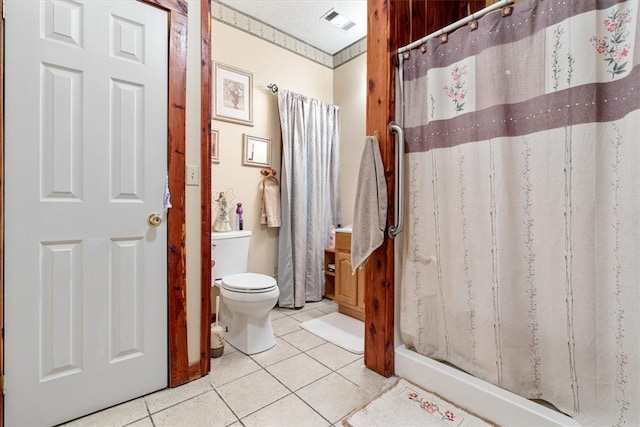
(249, 283)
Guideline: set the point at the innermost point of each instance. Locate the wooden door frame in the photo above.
(176, 252)
(2, 214)
(176, 216)
(205, 183)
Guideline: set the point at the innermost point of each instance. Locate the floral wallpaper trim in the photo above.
(237, 19)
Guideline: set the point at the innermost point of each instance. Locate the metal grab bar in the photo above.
(396, 129)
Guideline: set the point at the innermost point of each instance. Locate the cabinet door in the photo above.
(346, 286)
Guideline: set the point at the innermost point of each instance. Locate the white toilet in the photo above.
(248, 297)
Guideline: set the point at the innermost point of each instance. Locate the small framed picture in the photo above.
(214, 147)
(257, 151)
(233, 95)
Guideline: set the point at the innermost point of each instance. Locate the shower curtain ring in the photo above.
(473, 23)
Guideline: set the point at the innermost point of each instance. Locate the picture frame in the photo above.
(256, 151)
(233, 95)
(214, 146)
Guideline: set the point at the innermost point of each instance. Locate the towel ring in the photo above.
(269, 174)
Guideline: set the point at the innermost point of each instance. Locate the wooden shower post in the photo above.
(388, 28)
(378, 331)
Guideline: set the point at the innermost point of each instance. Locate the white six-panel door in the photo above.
(86, 163)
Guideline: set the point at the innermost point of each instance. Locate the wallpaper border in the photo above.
(227, 15)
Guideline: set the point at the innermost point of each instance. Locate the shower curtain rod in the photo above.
(455, 25)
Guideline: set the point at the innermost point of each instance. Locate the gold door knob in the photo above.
(154, 219)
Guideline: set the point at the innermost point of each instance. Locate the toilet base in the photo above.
(251, 335)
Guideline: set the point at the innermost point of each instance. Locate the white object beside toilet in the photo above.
(248, 297)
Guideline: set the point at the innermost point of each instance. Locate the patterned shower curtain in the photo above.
(310, 195)
(521, 256)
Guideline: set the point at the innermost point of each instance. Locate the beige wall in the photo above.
(350, 93)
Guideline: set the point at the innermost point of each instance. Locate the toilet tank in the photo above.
(230, 250)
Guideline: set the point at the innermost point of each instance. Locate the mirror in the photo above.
(257, 151)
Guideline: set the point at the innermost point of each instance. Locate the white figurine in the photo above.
(222, 222)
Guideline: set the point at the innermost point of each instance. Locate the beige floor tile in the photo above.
(333, 356)
(276, 314)
(251, 393)
(365, 378)
(298, 371)
(305, 315)
(287, 412)
(170, 396)
(315, 305)
(281, 351)
(329, 308)
(284, 325)
(333, 396)
(303, 340)
(120, 415)
(287, 311)
(204, 410)
(230, 367)
(228, 349)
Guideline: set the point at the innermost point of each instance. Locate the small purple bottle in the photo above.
(239, 225)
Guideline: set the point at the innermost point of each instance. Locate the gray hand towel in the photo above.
(370, 211)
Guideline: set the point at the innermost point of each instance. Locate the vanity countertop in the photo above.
(346, 229)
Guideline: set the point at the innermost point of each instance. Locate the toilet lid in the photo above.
(249, 282)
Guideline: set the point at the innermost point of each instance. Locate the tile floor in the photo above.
(302, 381)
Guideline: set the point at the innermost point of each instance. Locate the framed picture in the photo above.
(233, 95)
(257, 151)
(214, 148)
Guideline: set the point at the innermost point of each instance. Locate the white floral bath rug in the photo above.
(405, 404)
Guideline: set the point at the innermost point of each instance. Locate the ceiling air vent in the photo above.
(338, 20)
(349, 25)
(332, 14)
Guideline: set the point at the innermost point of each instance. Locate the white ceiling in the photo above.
(302, 19)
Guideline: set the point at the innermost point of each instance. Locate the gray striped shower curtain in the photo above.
(521, 255)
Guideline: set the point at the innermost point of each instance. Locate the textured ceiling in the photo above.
(302, 19)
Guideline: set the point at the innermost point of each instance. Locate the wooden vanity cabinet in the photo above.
(349, 288)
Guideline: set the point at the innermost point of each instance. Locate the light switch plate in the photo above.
(193, 175)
